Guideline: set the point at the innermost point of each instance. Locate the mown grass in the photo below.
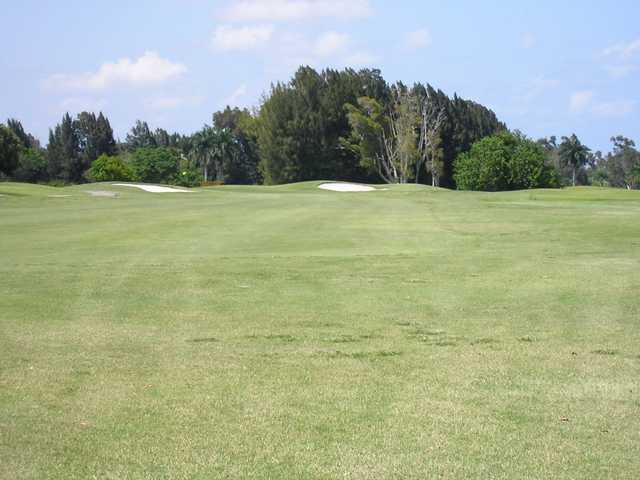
(289, 332)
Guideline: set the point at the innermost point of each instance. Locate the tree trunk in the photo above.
(574, 176)
(205, 173)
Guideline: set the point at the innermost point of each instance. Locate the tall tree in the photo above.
(301, 123)
(105, 142)
(242, 166)
(27, 140)
(622, 163)
(202, 150)
(572, 152)
(140, 136)
(401, 138)
(430, 153)
(10, 148)
(64, 160)
(367, 138)
(214, 150)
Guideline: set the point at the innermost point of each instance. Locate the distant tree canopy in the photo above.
(619, 168)
(303, 125)
(504, 161)
(75, 144)
(335, 125)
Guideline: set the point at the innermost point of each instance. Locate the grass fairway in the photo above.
(288, 332)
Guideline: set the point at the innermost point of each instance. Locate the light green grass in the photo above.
(288, 332)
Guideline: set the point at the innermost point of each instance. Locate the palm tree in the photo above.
(210, 147)
(574, 153)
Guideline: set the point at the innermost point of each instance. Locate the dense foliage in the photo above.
(110, 168)
(10, 148)
(334, 124)
(303, 125)
(32, 165)
(620, 168)
(154, 165)
(504, 161)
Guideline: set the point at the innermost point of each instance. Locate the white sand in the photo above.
(346, 187)
(102, 193)
(152, 188)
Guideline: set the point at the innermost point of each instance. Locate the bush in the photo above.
(32, 166)
(108, 169)
(187, 177)
(504, 162)
(155, 165)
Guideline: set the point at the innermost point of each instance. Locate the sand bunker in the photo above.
(346, 187)
(102, 193)
(152, 188)
(58, 196)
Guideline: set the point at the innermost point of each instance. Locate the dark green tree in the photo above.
(10, 148)
(140, 136)
(621, 163)
(301, 124)
(64, 154)
(32, 166)
(87, 131)
(27, 140)
(242, 166)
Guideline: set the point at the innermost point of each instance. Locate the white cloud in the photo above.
(529, 40)
(149, 69)
(330, 43)
(621, 58)
(171, 103)
(290, 48)
(418, 39)
(295, 10)
(227, 38)
(236, 95)
(580, 101)
(623, 51)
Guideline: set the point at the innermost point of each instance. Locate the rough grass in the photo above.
(288, 332)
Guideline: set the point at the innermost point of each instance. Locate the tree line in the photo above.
(335, 124)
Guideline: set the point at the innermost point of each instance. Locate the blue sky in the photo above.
(545, 67)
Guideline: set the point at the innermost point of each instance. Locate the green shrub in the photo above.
(504, 162)
(187, 176)
(32, 166)
(155, 165)
(107, 169)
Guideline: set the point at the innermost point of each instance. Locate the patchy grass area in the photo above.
(290, 332)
